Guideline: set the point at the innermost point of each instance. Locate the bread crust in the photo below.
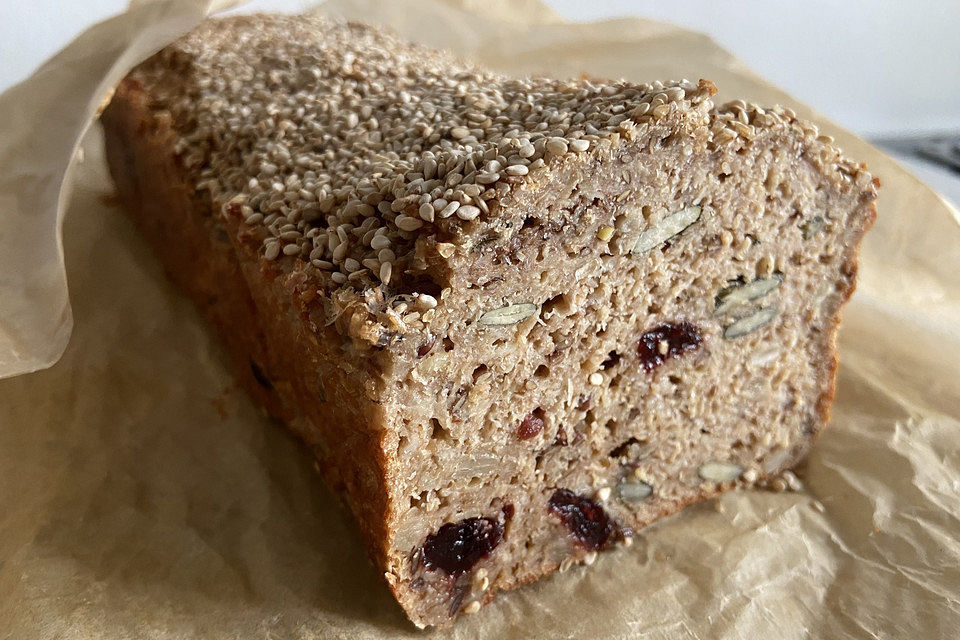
(195, 249)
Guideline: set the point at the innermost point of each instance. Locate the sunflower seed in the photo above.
(751, 323)
(633, 490)
(720, 472)
(669, 227)
(740, 294)
(510, 314)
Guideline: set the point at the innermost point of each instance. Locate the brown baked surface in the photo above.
(635, 309)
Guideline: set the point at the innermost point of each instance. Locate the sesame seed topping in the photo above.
(344, 145)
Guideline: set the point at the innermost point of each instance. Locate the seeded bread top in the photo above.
(342, 149)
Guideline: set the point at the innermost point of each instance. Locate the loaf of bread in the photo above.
(516, 319)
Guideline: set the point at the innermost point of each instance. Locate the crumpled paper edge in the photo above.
(39, 147)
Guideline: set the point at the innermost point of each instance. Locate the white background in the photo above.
(878, 67)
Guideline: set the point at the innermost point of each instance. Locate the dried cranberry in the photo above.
(456, 547)
(587, 521)
(679, 339)
(531, 425)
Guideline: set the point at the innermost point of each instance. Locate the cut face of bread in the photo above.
(517, 320)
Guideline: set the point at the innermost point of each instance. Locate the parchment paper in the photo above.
(143, 496)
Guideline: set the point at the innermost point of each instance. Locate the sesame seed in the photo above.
(488, 178)
(426, 212)
(291, 249)
(472, 608)
(356, 275)
(603, 494)
(468, 212)
(450, 209)
(556, 146)
(386, 269)
(406, 223)
(579, 145)
(596, 378)
(272, 251)
(379, 242)
(590, 558)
